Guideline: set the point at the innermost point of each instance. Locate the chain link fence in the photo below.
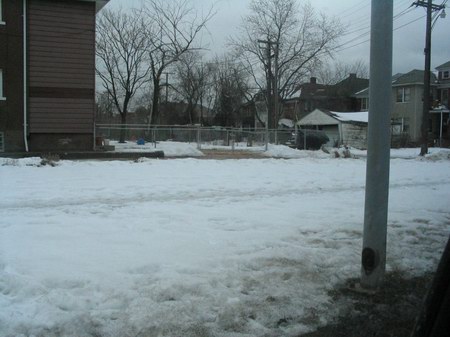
(219, 136)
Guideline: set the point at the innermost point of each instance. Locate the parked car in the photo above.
(314, 139)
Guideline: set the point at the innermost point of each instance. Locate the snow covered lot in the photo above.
(189, 247)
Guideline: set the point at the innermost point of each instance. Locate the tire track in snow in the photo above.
(216, 195)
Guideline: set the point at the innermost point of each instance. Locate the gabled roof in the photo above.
(443, 66)
(350, 85)
(351, 117)
(325, 117)
(413, 77)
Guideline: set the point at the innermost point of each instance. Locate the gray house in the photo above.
(407, 102)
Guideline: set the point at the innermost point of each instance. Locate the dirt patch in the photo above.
(228, 154)
(391, 312)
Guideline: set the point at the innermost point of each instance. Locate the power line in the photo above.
(339, 49)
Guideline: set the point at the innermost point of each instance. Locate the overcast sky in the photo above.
(409, 29)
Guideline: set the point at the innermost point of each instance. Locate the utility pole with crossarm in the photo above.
(430, 7)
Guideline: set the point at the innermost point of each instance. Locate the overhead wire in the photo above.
(366, 32)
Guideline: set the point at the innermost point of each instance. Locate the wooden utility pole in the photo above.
(275, 88)
(272, 83)
(167, 85)
(430, 7)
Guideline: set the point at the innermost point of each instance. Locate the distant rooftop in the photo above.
(442, 66)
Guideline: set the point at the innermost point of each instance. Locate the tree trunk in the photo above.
(155, 105)
(123, 122)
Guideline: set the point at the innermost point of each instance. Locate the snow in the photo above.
(170, 149)
(361, 117)
(189, 247)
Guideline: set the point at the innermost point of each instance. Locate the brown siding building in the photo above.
(48, 74)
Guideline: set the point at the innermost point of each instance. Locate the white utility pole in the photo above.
(378, 152)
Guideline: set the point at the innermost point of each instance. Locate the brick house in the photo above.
(313, 95)
(47, 74)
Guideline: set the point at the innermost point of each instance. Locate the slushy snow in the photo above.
(189, 247)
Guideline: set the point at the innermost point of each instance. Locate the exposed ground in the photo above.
(391, 312)
(228, 154)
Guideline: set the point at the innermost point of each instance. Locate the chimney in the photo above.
(352, 75)
(313, 80)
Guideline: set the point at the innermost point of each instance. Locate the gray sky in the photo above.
(409, 29)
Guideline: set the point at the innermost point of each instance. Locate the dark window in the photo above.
(364, 104)
(2, 97)
(403, 95)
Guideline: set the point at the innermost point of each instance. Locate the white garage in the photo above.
(343, 128)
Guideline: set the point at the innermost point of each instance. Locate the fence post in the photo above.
(154, 136)
(276, 136)
(199, 145)
(304, 139)
(267, 139)
(232, 141)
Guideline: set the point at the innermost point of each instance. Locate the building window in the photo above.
(2, 97)
(399, 125)
(364, 104)
(445, 74)
(444, 96)
(403, 95)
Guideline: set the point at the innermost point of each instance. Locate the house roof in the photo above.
(350, 85)
(443, 66)
(325, 117)
(413, 77)
(351, 117)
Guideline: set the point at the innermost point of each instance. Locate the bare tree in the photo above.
(281, 43)
(172, 29)
(105, 107)
(194, 80)
(334, 73)
(121, 58)
(231, 91)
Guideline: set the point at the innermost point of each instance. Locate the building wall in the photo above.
(11, 63)
(354, 135)
(61, 60)
(410, 111)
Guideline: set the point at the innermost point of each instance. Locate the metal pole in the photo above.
(377, 172)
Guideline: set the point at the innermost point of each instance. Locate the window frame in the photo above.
(364, 104)
(403, 95)
(2, 97)
(445, 74)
